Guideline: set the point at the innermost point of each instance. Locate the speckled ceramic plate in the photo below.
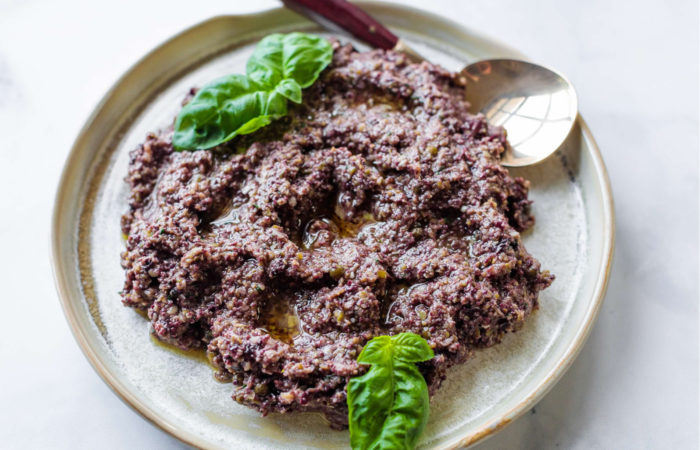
(573, 238)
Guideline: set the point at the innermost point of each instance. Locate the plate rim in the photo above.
(61, 275)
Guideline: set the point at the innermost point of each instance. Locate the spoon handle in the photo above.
(348, 17)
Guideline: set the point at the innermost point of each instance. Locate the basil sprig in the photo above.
(279, 68)
(389, 405)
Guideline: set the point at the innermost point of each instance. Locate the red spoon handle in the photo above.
(348, 17)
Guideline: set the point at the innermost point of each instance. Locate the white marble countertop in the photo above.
(635, 66)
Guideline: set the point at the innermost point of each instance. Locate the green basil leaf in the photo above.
(388, 407)
(410, 347)
(304, 56)
(377, 351)
(409, 412)
(223, 109)
(290, 89)
(370, 397)
(280, 67)
(265, 65)
(297, 56)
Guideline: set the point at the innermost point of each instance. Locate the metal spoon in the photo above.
(537, 106)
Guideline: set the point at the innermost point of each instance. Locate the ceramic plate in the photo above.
(573, 238)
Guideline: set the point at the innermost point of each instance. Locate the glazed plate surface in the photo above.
(573, 238)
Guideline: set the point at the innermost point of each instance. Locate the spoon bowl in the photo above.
(537, 106)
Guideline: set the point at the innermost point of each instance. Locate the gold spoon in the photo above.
(536, 105)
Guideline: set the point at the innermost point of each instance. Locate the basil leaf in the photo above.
(377, 351)
(370, 398)
(280, 67)
(411, 348)
(389, 405)
(297, 56)
(290, 89)
(304, 57)
(223, 109)
(409, 411)
(265, 64)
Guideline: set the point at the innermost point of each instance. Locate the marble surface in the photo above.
(635, 66)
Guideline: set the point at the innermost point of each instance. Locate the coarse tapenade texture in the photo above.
(377, 206)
